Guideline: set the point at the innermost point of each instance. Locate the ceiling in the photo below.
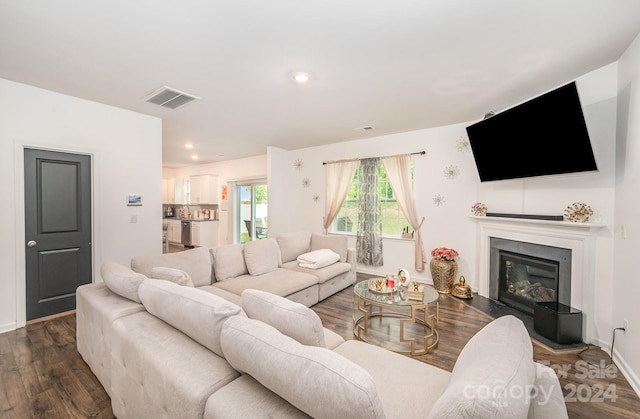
(394, 66)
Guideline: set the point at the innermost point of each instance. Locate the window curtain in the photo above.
(399, 176)
(368, 241)
(338, 177)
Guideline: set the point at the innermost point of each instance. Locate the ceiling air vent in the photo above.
(170, 97)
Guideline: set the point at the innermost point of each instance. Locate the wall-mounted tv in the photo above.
(546, 135)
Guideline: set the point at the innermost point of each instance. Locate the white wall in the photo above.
(552, 194)
(447, 224)
(625, 281)
(116, 139)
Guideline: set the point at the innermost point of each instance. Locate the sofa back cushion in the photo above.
(493, 374)
(196, 262)
(196, 313)
(338, 244)
(176, 276)
(262, 256)
(290, 318)
(293, 245)
(320, 382)
(122, 280)
(228, 261)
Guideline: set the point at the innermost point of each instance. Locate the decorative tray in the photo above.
(381, 288)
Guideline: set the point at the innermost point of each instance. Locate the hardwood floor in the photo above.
(43, 376)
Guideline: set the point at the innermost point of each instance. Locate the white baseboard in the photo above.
(7, 327)
(626, 370)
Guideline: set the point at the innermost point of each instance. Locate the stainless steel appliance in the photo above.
(185, 233)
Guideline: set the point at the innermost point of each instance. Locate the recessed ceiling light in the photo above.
(301, 77)
(194, 157)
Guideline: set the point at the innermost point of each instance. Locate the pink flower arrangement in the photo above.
(444, 253)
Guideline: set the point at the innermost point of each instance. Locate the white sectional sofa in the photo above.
(186, 353)
(169, 343)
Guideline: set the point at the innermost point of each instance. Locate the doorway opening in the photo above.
(252, 206)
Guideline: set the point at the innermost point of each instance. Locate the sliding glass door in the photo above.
(252, 206)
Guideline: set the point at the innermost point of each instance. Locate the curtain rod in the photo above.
(338, 161)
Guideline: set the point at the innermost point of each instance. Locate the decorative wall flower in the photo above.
(316, 197)
(438, 200)
(451, 172)
(298, 164)
(306, 182)
(463, 145)
(479, 209)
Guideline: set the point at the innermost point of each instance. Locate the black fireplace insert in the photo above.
(525, 280)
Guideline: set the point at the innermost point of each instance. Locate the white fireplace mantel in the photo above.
(578, 237)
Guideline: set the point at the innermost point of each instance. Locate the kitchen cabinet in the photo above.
(204, 233)
(173, 191)
(175, 231)
(203, 189)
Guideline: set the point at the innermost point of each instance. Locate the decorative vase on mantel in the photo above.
(443, 272)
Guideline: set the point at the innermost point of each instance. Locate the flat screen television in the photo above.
(546, 135)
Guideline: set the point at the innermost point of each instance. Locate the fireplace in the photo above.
(522, 273)
(525, 280)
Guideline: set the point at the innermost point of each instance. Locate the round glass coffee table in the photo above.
(369, 304)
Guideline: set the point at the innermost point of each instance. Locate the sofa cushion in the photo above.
(316, 380)
(196, 262)
(262, 256)
(122, 280)
(293, 245)
(497, 387)
(176, 276)
(338, 244)
(324, 274)
(290, 318)
(228, 261)
(282, 282)
(400, 380)
(198, 314)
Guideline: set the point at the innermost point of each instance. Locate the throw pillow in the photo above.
(292, 319)
(338, 244)
(122, 280)
(317, 381)
(173, 275)
(293, 244)
(196, 313)
(262, 256)
(228, 261)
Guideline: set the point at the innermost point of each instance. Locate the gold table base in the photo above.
(418, 313)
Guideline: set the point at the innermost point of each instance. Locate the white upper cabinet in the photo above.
(173, 191)
(204, 190)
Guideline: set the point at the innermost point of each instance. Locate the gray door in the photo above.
(57, 188)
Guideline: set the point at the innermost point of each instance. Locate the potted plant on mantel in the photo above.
(443, 267)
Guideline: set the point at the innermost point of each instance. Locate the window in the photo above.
(393, 219)
(252, 204)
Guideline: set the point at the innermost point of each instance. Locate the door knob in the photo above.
(32, 243)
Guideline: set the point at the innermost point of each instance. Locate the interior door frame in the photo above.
(20, 256)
